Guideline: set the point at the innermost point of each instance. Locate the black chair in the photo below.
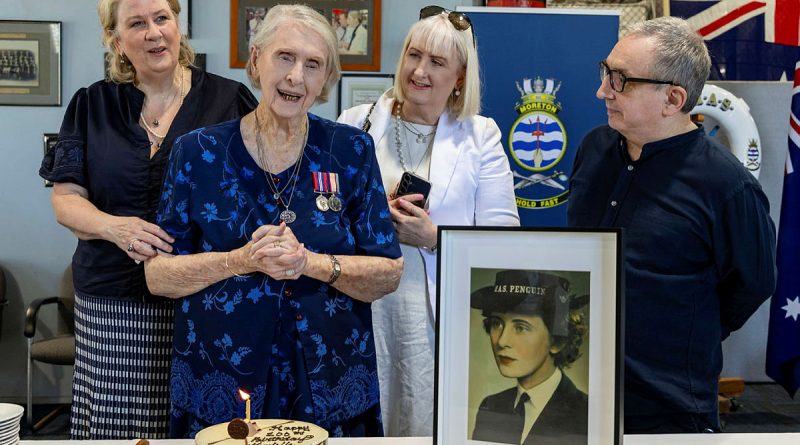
(55, 350)
(3, 299)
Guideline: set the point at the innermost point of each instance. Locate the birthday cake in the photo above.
(262, 431)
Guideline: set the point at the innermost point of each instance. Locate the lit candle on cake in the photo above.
(246, 397)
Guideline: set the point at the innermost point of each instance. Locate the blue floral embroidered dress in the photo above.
(302, 349)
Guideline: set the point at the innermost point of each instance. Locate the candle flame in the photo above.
(244, 395)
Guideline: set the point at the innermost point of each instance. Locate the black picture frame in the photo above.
(30, 63)
(468, 373)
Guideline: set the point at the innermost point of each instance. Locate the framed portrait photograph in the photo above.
(30, 63)
(359, 89)
(356, 24)
(529, 336)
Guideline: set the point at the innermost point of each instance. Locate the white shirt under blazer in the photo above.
(471, 180)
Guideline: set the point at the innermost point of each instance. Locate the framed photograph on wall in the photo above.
(517, 3)
(358, 89)
(30, 63)
(356, 24)
(185, 19)
(529, 318)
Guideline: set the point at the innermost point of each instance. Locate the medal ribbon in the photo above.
(325, 182)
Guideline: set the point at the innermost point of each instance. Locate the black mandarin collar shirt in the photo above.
(699, 251)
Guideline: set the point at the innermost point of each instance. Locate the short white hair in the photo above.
(312, 20)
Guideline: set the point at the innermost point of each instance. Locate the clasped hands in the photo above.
(275, 251)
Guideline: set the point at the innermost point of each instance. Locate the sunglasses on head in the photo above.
(459, 20)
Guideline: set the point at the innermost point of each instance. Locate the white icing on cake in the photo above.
(268, 432)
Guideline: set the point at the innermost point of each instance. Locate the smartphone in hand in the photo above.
(413, 184)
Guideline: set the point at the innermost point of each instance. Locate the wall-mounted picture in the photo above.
(359, 89)
(30, 63)
(528, 343)
(517, 3)
(185, 19)
(356, 24)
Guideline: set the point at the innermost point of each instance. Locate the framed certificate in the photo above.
(529, 336)
(358, 89)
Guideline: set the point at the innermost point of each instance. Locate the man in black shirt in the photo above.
(699, 242)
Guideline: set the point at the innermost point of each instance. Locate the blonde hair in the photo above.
(310, 19)
(120, 69)
(438, 36)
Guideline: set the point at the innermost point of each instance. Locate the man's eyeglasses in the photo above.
(617, 80)
(459, 20)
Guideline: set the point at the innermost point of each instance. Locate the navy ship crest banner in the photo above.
(540, 73)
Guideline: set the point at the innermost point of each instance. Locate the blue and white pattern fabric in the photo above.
(121, 366)
(302, 349)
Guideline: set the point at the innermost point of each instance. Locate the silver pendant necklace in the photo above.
(421, 137)
(398, 144)
(287, 215)
(158, 139)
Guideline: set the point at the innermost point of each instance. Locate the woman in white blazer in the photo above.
(428, 125)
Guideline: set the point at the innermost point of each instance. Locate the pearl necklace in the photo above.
(398, 144)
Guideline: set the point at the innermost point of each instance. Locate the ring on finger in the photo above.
(289, 272)
(276, 243)
(130, 245)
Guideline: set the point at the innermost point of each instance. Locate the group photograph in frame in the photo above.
(356, 24)
(30, 63)
(360, 89)
(529, 344)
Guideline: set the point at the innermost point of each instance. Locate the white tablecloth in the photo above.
(668, 439)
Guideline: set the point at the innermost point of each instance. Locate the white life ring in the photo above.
(734, 117)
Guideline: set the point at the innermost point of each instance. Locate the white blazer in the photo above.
(471, 181)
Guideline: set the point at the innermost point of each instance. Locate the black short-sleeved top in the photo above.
(102, 147)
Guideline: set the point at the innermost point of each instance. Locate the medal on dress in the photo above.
(335, 203)
(327, 183)
(288, 216)
(322, 203)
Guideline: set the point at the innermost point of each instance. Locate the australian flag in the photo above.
(783, 344)
(747, 39)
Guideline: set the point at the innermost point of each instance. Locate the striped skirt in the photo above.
(120, 389)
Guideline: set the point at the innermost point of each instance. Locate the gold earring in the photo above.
(122, 60)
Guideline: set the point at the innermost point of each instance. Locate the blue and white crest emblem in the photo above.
(537, 139)
(537, 142)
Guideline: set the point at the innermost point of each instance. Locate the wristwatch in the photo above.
(337, 269)
(431, 249)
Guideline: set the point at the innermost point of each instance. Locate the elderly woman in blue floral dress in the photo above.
(283, 239)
